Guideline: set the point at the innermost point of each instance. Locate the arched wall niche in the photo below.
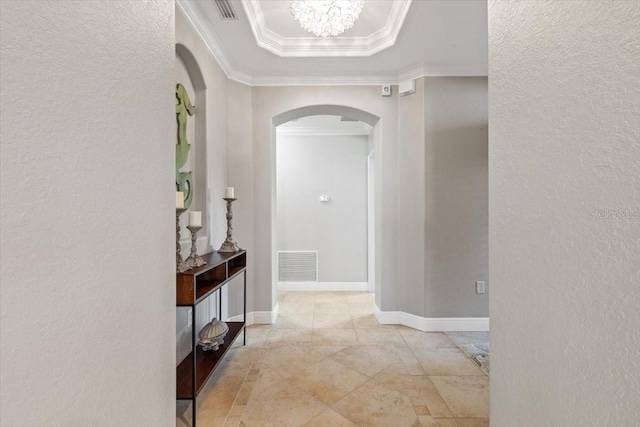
(197, 79)
(198, 154)
(198, 162)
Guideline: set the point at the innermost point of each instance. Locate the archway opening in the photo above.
(372, 218)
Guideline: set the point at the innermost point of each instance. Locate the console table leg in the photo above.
(244, 312)
(193, 371)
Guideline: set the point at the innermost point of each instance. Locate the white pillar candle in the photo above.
(229, 193)
(179, 200)
(195, 219)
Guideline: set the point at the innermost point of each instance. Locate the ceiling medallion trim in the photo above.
(331, 46)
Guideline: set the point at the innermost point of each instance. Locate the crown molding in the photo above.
(422, 70)
(212, 42)
(325, 47)
(324, 80)
(209, 38)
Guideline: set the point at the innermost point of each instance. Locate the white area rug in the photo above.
(479, 353)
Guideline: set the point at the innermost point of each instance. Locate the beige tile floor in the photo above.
(327, 362)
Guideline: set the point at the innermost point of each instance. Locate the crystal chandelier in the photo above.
(326, 18)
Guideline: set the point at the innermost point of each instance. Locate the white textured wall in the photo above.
(563, 148)
(309, 166)
(87, 219)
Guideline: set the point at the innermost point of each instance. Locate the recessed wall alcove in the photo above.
(188, 73)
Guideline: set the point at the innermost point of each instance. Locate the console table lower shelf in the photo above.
(193, 287)
(206, 363)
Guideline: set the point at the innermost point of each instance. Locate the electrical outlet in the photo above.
(189, 313)
(479, 287)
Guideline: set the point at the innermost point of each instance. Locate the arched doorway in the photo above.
(374, 211)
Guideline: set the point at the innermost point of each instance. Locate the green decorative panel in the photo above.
(184, 109)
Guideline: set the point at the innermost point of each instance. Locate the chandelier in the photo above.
(326, 18)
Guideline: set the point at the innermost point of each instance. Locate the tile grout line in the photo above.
(434, 386)
(244, 381)
(275, 339)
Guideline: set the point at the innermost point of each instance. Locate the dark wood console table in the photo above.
(193, 287)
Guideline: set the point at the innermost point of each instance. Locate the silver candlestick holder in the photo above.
(181, 266)
(194, 260)
(229, 245)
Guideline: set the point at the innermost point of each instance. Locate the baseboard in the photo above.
(265, 317)
(259, 317)
(323, 286)
(431, 324)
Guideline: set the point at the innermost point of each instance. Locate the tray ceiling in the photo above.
(276, 31)
(426, 38)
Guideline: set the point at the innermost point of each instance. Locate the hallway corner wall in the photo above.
(456, 196)
(564, 200)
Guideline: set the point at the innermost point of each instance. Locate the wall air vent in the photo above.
(297, 266)
(226, 10)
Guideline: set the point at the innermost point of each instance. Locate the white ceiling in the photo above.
(437, 38)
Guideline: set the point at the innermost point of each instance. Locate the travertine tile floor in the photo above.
(327, 362)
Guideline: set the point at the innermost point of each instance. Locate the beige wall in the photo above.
(87, 214)
(431, 184)
(456, 196)
(565, 302)
(240, 175)
(411, 202)
(442, 198)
